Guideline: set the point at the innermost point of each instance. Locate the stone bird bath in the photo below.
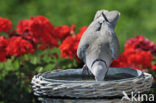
(70, 86)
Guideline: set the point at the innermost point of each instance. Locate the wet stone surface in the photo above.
(91, 77)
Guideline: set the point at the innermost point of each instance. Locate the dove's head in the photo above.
(103, 20)
(110, 16)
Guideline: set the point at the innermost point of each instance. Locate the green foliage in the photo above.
(16, 74)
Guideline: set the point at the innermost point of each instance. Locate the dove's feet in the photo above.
(86, 74)
(85, 70)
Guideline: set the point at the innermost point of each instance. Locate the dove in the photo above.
(99, 44)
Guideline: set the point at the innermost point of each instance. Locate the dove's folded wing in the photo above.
(82, 48)
(88, 37)
(115, 47)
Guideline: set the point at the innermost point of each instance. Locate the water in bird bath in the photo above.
(83, 77)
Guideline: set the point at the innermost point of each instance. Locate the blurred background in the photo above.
(137, 17)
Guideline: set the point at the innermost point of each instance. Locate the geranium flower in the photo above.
(70, 44)
(5, 25)
(24, 26)
(40, 30)
(3, 45)
(64, 31)
(140, 42)
(17, 46)
(154, 67)
(137, 54)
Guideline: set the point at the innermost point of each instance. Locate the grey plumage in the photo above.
(99, 44)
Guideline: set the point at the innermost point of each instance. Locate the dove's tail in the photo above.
(99, 69)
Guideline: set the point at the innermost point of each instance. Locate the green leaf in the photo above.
(49, 67)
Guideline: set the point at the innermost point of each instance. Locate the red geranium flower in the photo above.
(140, 42)
(70, 44)
(40, 30)
(137, 54)
(64, 31)
(5, 25)
(23, 25)
(18, 46)
(154, 67)
(3, 45)
(134, 58)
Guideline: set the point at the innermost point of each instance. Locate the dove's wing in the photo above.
(82, 48)
(114, 46)
(88, 37)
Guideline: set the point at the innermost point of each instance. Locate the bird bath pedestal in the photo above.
(70, 86)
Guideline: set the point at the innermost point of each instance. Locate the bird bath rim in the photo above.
(111, 71)
(43, 86)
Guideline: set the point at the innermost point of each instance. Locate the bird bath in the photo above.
(70, 86)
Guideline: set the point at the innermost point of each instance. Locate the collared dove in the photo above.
(99, 44)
